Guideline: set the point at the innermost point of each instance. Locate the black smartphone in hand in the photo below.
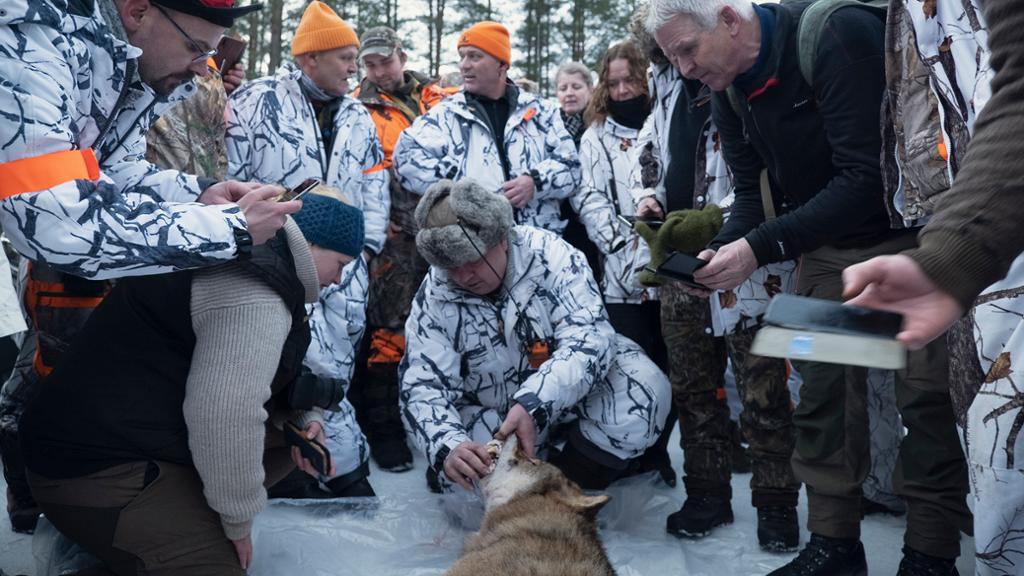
(629, 220)
(816, 315)
(680, 267)
(298, 191)
(311, 450)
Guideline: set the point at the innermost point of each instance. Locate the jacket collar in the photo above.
(521, 106)
(370, 94)
(785, 25)
(287, 80)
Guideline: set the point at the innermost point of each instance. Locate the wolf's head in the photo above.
(515, 474)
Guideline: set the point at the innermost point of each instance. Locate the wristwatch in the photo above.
(243, 242)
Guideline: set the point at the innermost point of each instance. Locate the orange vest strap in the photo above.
(41, 172)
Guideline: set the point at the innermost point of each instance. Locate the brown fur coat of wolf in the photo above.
(538, 523)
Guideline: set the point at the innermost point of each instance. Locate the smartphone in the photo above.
(629, 220)
(229, 53)
(816, 315)
(680, 267)
(312, 450)
(300, 190)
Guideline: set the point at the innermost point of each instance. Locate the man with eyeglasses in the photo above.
(82, 82)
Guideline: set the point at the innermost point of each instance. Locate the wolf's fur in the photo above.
(538, 523)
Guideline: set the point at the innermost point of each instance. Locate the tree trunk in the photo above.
(254, 42)
(438, 35)
(579, 38)
(276, 50)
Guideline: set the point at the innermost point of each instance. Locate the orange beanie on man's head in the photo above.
(322, 29)
(490, 37)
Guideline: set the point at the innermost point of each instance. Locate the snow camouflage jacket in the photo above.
(464, 349)
(606, 157)
(937, 81)
(730, 309)
(451, 141)
(273, 136)
(68, 81)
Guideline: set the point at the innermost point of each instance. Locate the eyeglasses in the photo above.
(204, 55)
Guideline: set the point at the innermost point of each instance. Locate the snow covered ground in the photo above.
(414, 533)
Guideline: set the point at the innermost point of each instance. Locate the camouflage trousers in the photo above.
(697, 362)
(395, 275)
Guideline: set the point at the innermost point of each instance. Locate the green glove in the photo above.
(687, 231)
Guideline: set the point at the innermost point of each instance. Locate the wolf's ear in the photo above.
(589, 506)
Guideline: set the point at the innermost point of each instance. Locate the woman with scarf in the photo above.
(614, 117)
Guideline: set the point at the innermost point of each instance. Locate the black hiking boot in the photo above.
(778, 529)
(824, 556)
(916, 563)
(298, 486)
(382, 419)
(353, 484)
(588, 473)
(699, 514)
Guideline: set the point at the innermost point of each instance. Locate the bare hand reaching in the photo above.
(243, 547)
(898, 284)
(468, 462)
(264, 215)
(520, 423)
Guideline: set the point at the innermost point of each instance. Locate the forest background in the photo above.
(545, 33)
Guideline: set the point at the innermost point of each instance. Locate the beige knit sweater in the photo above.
(240, 325)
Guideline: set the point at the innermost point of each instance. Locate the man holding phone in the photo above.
(819, 140)
(681, 167)
(78, 198)
(155, 436)
(301, 123)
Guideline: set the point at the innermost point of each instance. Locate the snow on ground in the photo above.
(414, 533)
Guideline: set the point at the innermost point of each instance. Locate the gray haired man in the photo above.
(820, 143)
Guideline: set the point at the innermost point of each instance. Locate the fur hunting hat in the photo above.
(459, 221)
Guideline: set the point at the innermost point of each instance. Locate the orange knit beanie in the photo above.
(490, 37)
(322, 29)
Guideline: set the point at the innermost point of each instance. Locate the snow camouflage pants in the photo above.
(632, 380)
(985, 348)
(697, 362)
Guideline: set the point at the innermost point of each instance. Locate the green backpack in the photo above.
(812, 23)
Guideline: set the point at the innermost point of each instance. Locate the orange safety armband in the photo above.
(41, 172)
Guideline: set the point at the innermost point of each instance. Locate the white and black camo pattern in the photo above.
(273, 136)
(992, 436)
(748, 301)
(61, 77)
(337, 323)
(465, 351)
(623, 250)
(450, 142)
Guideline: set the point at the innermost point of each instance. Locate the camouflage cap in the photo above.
(379, 40)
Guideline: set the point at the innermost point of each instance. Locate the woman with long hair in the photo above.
(616, 112)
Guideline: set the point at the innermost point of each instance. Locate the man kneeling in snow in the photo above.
(508, 335)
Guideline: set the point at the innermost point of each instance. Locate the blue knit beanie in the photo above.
(330, 223)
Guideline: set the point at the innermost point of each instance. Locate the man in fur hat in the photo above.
(508, 335)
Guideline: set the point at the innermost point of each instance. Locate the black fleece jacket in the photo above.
(821, 145)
